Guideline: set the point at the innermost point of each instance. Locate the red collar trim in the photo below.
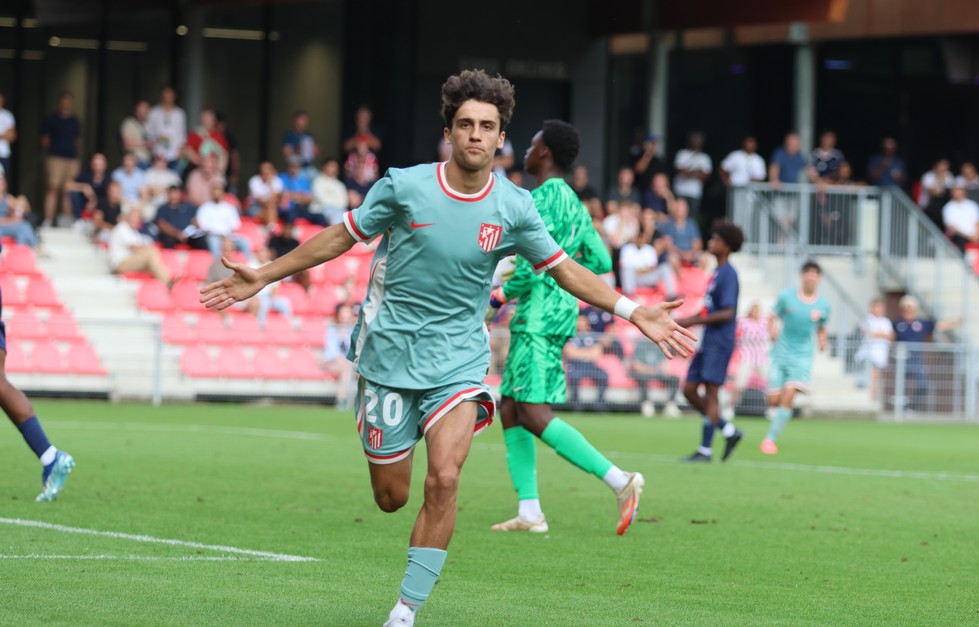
(453, 194)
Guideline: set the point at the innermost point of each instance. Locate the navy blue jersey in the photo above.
(722, 293)
(916, 330)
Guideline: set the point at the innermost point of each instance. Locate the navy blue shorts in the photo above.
(3, 336)
(709, 367)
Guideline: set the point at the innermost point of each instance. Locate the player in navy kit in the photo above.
(709, 365)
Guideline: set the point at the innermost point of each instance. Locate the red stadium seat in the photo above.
(27, 326)
(312, 332)
(82, 359)
(279, 331)
(304, 365)
(20, 259)
(16, 360)
(47, 359)
(153, 296)
(617, 377)
(176, 330)
(186, 296)
(253, 233)
(323, 300)
(196, 362)
(296, 295)
(693, 282)
(198, 263)
(40, 293)
(173, 260)
(212, 330)
(245, 331)
(61, 325)
(336, 272)
(10, 291)
(269, 365)
(232, 364)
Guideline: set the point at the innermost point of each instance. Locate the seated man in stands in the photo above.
(89, 190)
(335, 348)
(640, 265)
(330, 199)
(961, 217)
(264, 192)
(219, 219)
(130, 177)
(202, 179)
(683, 235)
(107, 216)
(131, 251)
(582, 353)
(297, 193)
(156, 184)
(646, 366)
(13, 217)
(176, 222)
(659, 198)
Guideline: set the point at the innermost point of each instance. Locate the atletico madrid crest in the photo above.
(489, 236)
(375, 437)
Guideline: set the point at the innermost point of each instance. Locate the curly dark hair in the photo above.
(811, 264)
(563, 141)
(730, 232)
(477, 85)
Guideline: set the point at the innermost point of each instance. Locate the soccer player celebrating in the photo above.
(545, 318)
(709, 365)
(420, 345)
(55, 464)
(801, 311)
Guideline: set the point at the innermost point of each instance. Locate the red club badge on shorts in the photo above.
(489, 236)
(375, 437)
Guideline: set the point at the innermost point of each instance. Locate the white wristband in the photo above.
(624, 307)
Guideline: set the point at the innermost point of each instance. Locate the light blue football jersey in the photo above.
(421, 325)
(799, 321)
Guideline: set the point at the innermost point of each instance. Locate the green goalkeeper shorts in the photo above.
(534, 372)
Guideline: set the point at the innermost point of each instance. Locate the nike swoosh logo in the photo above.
(415, 225)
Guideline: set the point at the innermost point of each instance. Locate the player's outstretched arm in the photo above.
(328, 244)
(654, 322)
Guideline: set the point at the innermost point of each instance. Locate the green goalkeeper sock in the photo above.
(782, 417)
(521, 459)
(572, 446)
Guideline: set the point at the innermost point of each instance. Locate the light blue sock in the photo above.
(424, 566)
(782, 417)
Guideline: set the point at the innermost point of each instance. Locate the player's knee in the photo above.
(690, 390)
(390, 499)
(442, 483)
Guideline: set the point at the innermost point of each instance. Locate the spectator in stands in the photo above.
(744, 166)
(8, 135)
(363, 132)
(621, 226)
(826, 157)
(579, 183)
(693, 167)
(335, 347)
(887, 169)
(297, 194)
(219, 220)
(639, 265)
(602, 322)
(582, 353)
(361, 168)
(504, 159)
(89, 190)
(298, 141)
(130, 178)
(166, 128)
(134, 136)
(658, 197)
(961, 217)
(159, 179)
(202, 180)
(14, 217)
(970, 177)
(330, 199)
(233, 170)
(624, 190)
(131, 251)
(752, 343)
(267, 298)
(682, 234)
(935, 184)
(911, 328)
(788, 164)
(264, 194)
(515, 176)
(206, 140)
(60, 132)
(176, 222)
(105, 218)
(876, 335)
(648, 365)
(645, 161)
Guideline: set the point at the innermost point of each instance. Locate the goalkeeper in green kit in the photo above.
(545, 318)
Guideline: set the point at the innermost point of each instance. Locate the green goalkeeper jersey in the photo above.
(543, 307)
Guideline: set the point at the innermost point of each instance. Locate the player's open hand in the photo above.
(656, 324)
(242, 285)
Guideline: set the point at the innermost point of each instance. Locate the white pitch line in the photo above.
(277, 557)
(140, 558)
(192, 428)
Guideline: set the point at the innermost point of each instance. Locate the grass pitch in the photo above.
(853, 523)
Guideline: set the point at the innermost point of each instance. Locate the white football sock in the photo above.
(616, 479)
(529, 509)
(728, 429)
(704, 450)
(48, 456)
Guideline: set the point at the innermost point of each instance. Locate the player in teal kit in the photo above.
(420, 344)
(803, 313)
(545, 318)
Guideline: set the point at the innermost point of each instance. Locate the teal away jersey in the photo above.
(421, 325)
(800, 320)
(543, 307)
